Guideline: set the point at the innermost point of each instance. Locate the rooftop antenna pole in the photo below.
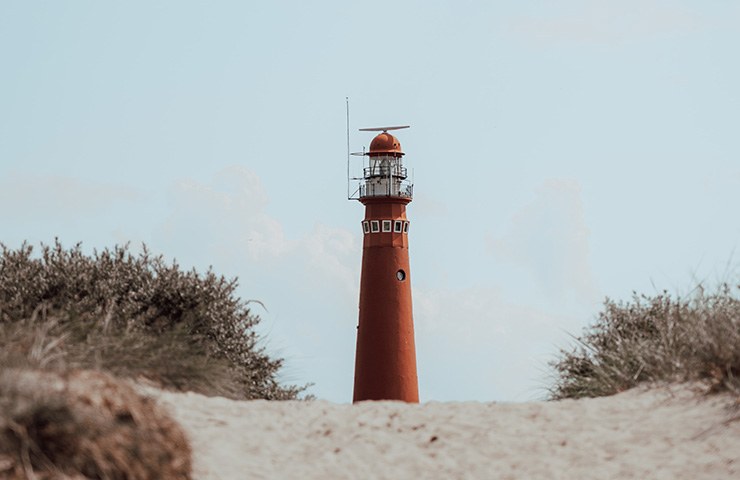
(346, 99)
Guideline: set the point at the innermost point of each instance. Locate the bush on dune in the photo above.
(133, 316)
(655, 339)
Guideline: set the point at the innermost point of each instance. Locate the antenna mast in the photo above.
(346, 99)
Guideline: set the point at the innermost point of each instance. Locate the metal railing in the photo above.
(396, 171)
(403, 189)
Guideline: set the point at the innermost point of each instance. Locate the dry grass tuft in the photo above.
(172, 359)
(85, 424)
(656, 339)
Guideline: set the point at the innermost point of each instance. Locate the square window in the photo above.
(405, 227)
(366, 227)
(374, 226)
(398, 226)
(387, 225)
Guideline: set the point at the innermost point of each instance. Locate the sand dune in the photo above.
(664, 433)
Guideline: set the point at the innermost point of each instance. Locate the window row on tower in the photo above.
(385, 226)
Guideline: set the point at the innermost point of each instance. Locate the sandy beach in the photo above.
(659, 433)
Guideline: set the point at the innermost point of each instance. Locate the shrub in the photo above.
(134, 316)
(655, 339)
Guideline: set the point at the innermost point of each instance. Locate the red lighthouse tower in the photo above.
(385, 361)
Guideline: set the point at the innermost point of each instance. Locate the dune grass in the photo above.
(84, 425)
(133, 316)
(661, 338)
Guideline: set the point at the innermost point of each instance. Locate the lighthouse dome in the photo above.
(384, 144)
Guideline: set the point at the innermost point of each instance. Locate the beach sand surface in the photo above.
(658, 433)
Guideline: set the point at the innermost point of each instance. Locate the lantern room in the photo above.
(383, 173)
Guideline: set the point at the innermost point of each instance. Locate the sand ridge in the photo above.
(665, 433)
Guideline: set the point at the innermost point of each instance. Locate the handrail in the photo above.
(386, 190)
(396, 171)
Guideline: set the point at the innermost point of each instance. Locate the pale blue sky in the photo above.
(563, 152)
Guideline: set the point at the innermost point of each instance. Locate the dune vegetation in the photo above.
(661, 338)
(134, 316)
(84, 424)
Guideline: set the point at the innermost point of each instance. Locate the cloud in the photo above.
(226, 215)
(549, 239)
(332, 252)
(494, 339)
(227, 218)
(429, 206)
(607, 22)
(467, 316)
(57, 197)
(479, 344)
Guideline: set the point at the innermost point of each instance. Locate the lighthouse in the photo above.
(385, 359)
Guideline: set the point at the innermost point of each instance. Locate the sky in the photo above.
(562, 153)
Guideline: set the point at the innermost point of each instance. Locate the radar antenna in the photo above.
(383, 129)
